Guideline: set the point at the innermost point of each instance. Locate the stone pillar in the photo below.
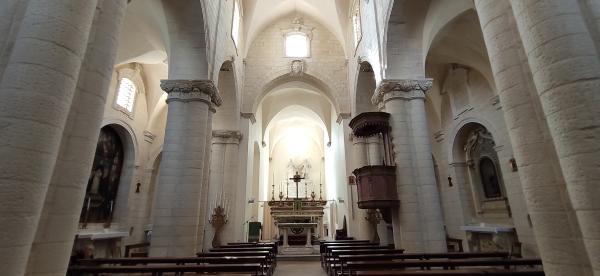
(58, 224)
(418, 223)
(223, 182)
(543, 187)
(565, 64)
(178, 210)
(358, 226)
(308, 237)
(36, 92)
(11, 14)
(374, 150)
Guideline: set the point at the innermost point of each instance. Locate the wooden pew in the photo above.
(332, 263)
(262, 260)
(329, 248)
(461, 272)
(158, 270)
(267, 254)
(352, 267)
(272, 255)
(343, 258)
(323, 246)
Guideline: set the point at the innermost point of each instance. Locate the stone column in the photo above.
(178, 210)
(223, 182)
(374, 150)
(543, 187)
(308, 237)
(36, 92)
(11, 14)
(358, 226)
(565, 64)
(418, 223)
(58, 224)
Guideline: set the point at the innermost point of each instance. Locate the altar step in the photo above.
(299, 258)
(296, 251)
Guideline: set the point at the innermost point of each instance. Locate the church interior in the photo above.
(300, 137)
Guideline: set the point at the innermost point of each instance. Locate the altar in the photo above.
(299, 219)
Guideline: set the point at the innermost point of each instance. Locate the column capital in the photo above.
(401, 88)
(191, 90)
(226, 136)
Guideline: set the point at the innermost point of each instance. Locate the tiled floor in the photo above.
(299, 268)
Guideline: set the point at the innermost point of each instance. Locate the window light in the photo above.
(296, 45)
(126, 94)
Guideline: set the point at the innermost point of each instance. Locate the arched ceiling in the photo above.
(258, 13)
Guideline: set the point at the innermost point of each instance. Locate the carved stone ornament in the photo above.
(191, 90)
(226, 136)
(297, 67)
(401, 88)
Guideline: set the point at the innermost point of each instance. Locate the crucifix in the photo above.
(297, 178)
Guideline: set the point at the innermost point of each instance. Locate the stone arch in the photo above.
(227, 115)
(365, 85)
(439, 14)
(283, 76)
(188, 43)
(402, 39)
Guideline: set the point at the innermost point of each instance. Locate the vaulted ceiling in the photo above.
(259, 13)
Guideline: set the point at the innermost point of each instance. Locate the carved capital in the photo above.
(406, 89)
(191, 90)
(226, 136)
(249, 116)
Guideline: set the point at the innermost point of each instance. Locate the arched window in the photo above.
(235, 24)
(489, 178)
(126, 94)
(103, 182)
(297, 45)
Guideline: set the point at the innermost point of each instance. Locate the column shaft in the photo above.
(565, 64)
(418, 222)
(544, 190)
(54, 240)
(431, 209)
(180, 203)
(36, 91)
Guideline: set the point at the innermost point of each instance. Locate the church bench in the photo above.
(332, 262)
(343, 258)
(323, 246)
(327, 254)
(158, 270)
(262, 260)
(429, 264)
(461, 272)
(241, 250)
(273, 246)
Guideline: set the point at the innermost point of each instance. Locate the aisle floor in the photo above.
(299, 268)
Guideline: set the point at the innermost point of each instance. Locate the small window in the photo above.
(296, 45)
(356, 24)
(126, 94)
(235, 25)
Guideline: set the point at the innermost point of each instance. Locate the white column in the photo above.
(58, 224)
(177, 218)
(285, 237)
(308, 236)
(11, 14)
(418, 222)
(223, 181)
(543, 187)
(357, 224)
(374, 150)
(36, 91)
(565, 63)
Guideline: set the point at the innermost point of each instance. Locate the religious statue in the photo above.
(218, 219)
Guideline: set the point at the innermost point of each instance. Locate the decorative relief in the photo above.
(401, 88)
(297, 68)
(149, 136)
(226, 136)
(191, 90)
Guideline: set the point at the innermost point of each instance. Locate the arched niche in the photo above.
(107, 193)
(475, 149)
